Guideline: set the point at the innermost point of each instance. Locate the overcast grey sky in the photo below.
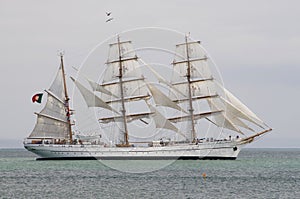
(255, 44)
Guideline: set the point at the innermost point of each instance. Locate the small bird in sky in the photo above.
(108, 20)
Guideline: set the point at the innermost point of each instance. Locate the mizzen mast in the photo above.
(67, 99)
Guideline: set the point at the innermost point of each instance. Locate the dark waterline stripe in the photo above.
(141, 158)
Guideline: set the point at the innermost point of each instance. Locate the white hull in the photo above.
(206, 150)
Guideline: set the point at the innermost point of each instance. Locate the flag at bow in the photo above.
(37, 98)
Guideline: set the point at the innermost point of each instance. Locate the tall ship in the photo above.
(190, 98)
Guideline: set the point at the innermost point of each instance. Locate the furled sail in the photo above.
(52, 121)
(196, 116)
(129, 118)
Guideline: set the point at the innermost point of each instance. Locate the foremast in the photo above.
(67, 99)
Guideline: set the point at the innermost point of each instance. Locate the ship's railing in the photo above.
(53, 141)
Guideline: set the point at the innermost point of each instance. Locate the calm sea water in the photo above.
(257, 173)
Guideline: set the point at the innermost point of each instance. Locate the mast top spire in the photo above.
(61, 53)
(188, 35)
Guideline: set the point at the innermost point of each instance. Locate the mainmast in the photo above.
(188, 76)
(66, 96)
(122, 95)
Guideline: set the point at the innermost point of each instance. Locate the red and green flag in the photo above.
(37, 98)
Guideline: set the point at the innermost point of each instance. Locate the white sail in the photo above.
(191, 73)
(235, 115)
(54, 107)
(57, 87)
(131, 88)
(130, 66)
(131, 82)
(243, 108)
(90, 98)
(50, 128)
(162, 80)
(236, 109)
(190, 54)
(52, 121)
(122, 55)
(122, 49)
(97, 87)
(161, 99)
(162, 122)
(222, 120)
(204, 88)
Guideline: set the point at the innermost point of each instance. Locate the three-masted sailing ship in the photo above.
(193, 95)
